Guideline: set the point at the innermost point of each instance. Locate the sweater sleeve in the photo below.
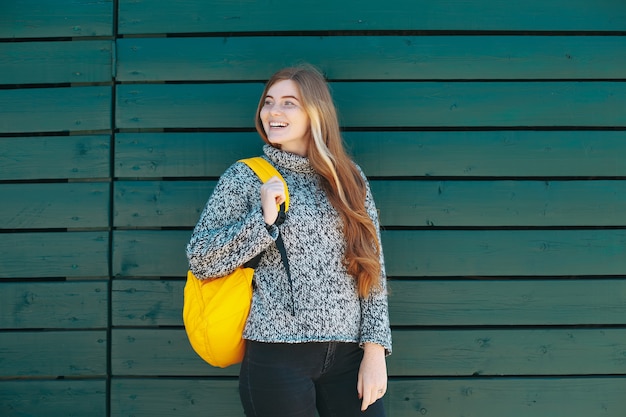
(375, 326)
(231, 229)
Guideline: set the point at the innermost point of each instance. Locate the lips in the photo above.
(278, 125)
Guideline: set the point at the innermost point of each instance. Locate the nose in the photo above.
(275, 109)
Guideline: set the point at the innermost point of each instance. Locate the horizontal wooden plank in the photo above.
(374, 57)
(519, 397)
(501, 203)
(61, 398)
(491, 153)
(170, 354)
(477, 104)
(52, 354)
(392, 154)
(508, 352)
(175, 397)
(61, 254)
(490, 302)
(505, 252)
(422, 253)
(453, 397)
(408, 203)
(56, 62)
(56, 18)
(147, 155)
(54, 305)
(55, 109)
(147, 303)
(223, 105)
(152, 16)
(398, 104)
(536, 302)
(159, 203)
(55, 157)
(166, 250)
(484, 352)
(56, 205)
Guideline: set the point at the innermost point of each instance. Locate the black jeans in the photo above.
(293, 380)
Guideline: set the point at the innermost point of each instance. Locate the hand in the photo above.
(272, 195)
(372, 380)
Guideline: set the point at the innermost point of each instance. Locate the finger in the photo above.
(275, 181)
(275, 187)
(367, 400)
(361, 390)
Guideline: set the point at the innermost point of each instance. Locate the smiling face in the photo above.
(285, 122)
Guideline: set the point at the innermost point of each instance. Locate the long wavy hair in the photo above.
(341, 179)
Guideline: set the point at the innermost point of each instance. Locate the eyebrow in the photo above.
(293, 97)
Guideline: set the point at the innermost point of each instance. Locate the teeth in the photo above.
(278, 124)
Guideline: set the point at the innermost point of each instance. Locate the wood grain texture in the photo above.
(451, 397)
(147, 303)
(175, 397)
(478, 104)
(221, 105)
(56, 18)
(422, 253)
(53, 354)
(464, 154)
(406, 203)
(473, 352)
(55, 109)
(385, 104)
(60, 398)
(55, 157)
(170, 355)
(56, 62)
(501, 203)
(132, 248)
(516, 301)
(155, 16)
(373, 57)
(490, 153)
(505, 252)
(54, 305)
(516, 397)
(149, 155)
(497, 352)
(162, 204)
(61, 205)
(54, 254)
(536, 302)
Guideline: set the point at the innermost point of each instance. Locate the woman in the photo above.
(317, 338)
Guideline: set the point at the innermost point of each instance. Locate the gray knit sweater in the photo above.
(321, 303)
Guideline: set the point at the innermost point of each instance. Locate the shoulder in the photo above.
(239, 172)
(237, 181)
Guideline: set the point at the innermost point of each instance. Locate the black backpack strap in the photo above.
(283, 254)
(254, 262)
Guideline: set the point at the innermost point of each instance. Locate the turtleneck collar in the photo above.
(287, 160)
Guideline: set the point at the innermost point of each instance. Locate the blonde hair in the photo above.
(342, 181)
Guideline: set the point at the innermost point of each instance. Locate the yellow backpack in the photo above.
(215, 310)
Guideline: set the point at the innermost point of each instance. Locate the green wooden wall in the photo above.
(494, 136)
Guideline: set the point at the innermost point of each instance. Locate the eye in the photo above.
(289, 104)
(268, 102)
